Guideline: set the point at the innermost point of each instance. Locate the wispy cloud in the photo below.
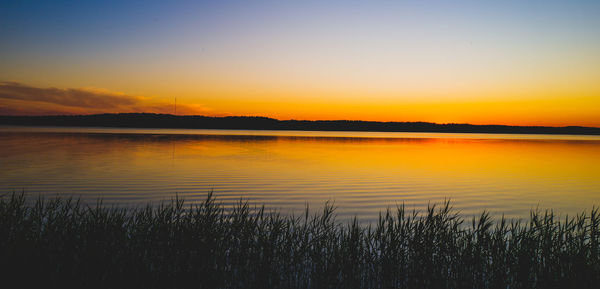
(20, 99)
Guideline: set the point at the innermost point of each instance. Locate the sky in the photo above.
(480, 62)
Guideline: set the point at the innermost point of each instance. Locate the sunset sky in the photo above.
(480, 62)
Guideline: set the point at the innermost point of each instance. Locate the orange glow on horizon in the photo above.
(510, 109)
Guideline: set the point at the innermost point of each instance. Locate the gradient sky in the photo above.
(481, 62)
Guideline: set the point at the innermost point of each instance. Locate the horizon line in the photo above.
(298, 120)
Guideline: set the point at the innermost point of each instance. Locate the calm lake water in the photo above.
(362, 172)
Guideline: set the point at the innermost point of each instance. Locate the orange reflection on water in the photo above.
(362, 172)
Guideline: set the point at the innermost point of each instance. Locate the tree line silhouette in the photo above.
(151, 120)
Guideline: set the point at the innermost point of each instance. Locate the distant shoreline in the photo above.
(149, 120)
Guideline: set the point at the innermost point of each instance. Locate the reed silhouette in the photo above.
(62, 242)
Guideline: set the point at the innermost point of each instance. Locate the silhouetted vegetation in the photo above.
(62, 242)
(148, 120)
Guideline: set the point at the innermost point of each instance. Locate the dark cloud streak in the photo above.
(83, 98)
(20, 99)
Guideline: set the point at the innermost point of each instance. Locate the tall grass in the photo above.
(62, 242)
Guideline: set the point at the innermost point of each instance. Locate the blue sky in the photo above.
(225, 56)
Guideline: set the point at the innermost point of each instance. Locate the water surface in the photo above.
(362, 172)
